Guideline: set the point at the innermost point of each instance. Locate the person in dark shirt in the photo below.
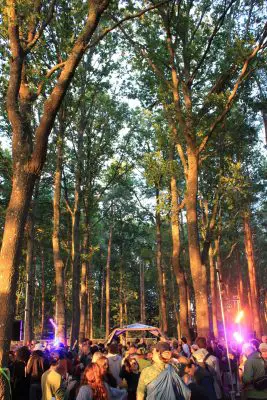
(199, 382)
(20, 380)
(130, 372)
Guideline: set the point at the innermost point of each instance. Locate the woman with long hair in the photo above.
(92, 384)
(102, 362)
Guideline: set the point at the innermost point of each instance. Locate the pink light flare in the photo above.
(239, 316)
(53, 323)
(238, 337)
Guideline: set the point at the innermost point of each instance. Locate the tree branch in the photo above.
(127, 18)
(48, 75)
(214, 33)
(231, 97)
(45, 23)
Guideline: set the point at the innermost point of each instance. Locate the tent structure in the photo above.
(134, 328)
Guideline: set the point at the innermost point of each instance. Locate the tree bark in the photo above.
(213, 290)
(75, 256)
(43, 294)
(84, 287)
(58, 262)
(102, 300)
(198, 270)
(121, 294)
(174, 304)
(162, 293)
(108, 283)
(28, 319)
(176, 250)
(249, 247)
(142, 294)
(240, 285)
(90, 305)
(27, 165)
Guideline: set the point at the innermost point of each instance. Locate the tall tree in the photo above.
(58, 261)
(190, 91)
(28, 159)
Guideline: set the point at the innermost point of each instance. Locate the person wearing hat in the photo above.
(253, 370)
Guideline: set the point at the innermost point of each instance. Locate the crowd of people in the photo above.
(165, 370)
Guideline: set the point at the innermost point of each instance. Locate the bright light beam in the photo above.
(239, 316)
(239, 338)
(53, 323)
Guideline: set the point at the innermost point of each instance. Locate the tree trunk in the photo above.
(90, 300)
(142, 294)
(28, 319)
(75, 238)
(84, 288)
(108, 283)
(43, 294)
(240, 286)
(102, 300)
(121, 294)
(174, 304)
(264, 117)
(60, 333)
(248, 239)
(75, 324)
(125, 309)
(176, 250)
(198, 270)
(162, 293)
(213, 292)
(10, 255)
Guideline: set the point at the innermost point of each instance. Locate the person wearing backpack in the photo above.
(211, 363)
(204, 376)
(161, 380)
(255, 372)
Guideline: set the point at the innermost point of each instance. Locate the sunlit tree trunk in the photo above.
(176, 250)
(198, 270)
(240, 284)
(162, 293)
(84, 287)
(90, 299)
(175, 303)
(213, 289)
(108, 283)
(75, 324)
(248, 239)
(125, 307)
(142, 293)
(90, 307)
(58, 262)
(28, 319)
(102, 300)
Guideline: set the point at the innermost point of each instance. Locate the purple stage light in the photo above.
(238, 337)
(53, 323)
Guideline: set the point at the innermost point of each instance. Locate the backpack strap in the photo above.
(206, 357)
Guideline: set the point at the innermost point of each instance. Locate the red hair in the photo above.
(92, 377)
